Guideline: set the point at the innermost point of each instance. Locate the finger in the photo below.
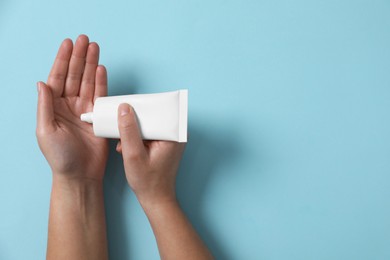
(131, 141)
(76, 67)
(45, 112)
(87, 88)
(58, 72)
(119, 147)
(101, 82)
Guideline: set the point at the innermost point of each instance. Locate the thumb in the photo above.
(45, 111)
(131, 140)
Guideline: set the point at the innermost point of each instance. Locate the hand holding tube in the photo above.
(151, 168)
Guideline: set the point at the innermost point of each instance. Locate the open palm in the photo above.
(75, 81)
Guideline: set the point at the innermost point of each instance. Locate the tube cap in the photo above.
(87, 117)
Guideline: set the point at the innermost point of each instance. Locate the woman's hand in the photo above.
(150, 166)
(77, 228)
(75, 81)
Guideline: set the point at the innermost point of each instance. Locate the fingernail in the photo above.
(124, 109)
(38, 87)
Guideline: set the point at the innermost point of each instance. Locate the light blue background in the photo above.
(289, 152)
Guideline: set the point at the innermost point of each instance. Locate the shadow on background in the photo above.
(3, 4)
(206, 150)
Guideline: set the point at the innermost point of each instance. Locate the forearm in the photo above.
(77, 228)
(176, 238)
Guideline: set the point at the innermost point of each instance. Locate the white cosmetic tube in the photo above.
(161, 116)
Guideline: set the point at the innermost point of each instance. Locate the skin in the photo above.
(77, 158)
(151, 169)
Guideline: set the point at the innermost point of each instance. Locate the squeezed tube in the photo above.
(160, 116)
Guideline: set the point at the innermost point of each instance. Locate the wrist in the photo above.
(75, 183)
(76, 178)
(80, 194)
(160, 204)
(77, 220)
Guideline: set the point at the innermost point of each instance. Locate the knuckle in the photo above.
(74, 76)
(57, 76)
(88, 82)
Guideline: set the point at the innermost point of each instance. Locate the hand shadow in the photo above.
(207, 148)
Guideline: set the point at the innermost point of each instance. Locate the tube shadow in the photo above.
(204, 152)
